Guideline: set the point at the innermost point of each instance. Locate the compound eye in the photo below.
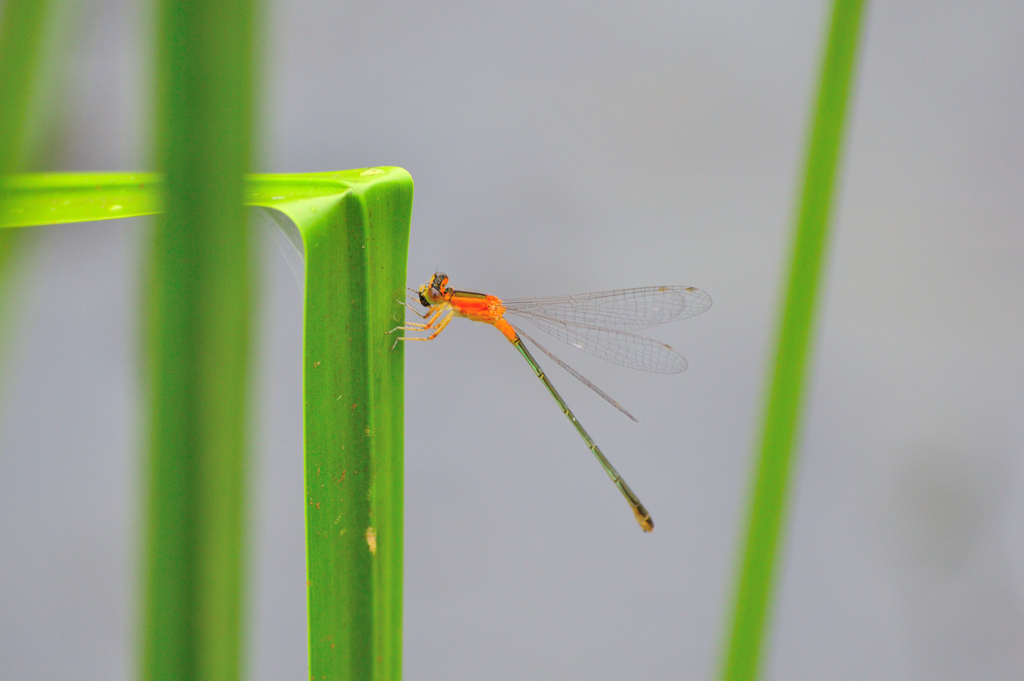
(434, 293)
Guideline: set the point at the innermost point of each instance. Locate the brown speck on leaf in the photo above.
(318, 505)
(371, 540)
(316, 364)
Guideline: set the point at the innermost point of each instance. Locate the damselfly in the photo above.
(601, 324)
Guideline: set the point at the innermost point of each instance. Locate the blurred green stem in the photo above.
(198, 336)
(758, 571)
(10, 247)
(22, 24)
(21, 35)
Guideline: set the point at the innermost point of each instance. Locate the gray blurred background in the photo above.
(562, 147)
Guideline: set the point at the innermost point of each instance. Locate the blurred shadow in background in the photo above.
(557, 148)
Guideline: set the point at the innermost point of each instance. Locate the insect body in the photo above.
(601, 324)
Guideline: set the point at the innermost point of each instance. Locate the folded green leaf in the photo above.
(355, 228)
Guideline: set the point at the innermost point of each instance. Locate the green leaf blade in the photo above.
(60, 198)
(353, 386)
(355, 231)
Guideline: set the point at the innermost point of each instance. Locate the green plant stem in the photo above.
(757, 574)
(10, 246)
(22, 24)
(198, 337)
(21, 35)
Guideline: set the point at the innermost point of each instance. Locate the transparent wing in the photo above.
(630, 309)
(577, 374)
(618, 347)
